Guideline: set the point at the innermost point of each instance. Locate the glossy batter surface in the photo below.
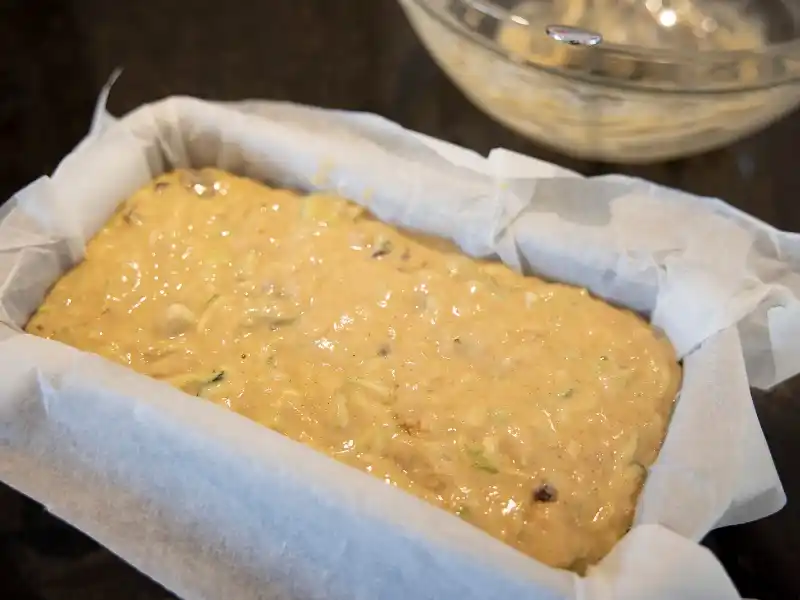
(530, 409)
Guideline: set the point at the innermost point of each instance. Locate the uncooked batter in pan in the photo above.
(529, 409)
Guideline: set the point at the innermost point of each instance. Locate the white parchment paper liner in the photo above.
(214, 506)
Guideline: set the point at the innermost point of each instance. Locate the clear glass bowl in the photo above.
(670, 78)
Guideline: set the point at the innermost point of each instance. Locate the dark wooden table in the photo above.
(354, 54)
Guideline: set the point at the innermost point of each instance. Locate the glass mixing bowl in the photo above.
(670, 78)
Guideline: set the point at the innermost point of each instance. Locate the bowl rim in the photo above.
(789, 50)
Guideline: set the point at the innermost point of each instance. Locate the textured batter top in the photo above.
(529, 409)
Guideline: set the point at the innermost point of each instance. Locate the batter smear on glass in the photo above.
(529, 409)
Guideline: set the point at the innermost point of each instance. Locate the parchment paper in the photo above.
(214, 506)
